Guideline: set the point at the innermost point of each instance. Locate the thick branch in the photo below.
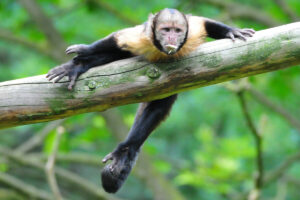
(34, 99)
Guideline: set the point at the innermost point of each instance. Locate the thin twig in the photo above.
(11, 37)
(287, 10)
(38, 137)
(258, 141)
(283, 167)
(44, 23)
(293, 181)
(26, 188)
(240, 11)
(281, 193)
(66, 175)
(49, 168)
(103, 4)
(260, 97)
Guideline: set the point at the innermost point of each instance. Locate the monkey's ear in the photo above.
(150, 17)
(149, 25)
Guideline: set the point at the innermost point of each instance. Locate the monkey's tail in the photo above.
(115, 173)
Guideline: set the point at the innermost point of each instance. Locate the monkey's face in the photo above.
(170, 30)
(170, 36)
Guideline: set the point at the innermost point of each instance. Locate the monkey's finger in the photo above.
(72, 81)
(47, 75)
(57, 70)
(230, 34)
(107, 158)
(51, 72)
(60, 77)
(52, 76)
(55, 74)
(240, 35)
(71, 84)
(249, 30)
(248, 34)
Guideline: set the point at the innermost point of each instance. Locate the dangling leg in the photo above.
(148, 117)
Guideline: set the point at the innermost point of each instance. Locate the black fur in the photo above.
(114, 174)
(102, 52)
(216, 30)
(155, 40)
(149, 116)
(98, 53)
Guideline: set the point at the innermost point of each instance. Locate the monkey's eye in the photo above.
(166, 29)
(178, 30)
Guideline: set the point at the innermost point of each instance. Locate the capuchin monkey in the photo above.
(167, 35)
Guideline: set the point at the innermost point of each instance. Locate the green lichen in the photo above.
(92, 85)
(261, 53)
(139, 94)
(212, 61)
(56, 105)
(153, 73)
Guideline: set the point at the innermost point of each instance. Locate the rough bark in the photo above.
(34, 99)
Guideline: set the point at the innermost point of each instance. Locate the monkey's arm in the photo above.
(98, 53)
(148, 117)
(218, 30)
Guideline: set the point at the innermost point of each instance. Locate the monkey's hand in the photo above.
(69, 69)
(240, 33)
(115, 173)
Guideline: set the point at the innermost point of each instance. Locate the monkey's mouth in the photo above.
(171, 49)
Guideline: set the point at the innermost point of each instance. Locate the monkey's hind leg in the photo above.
(123, 158)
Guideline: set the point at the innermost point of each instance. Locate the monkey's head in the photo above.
(170, 30)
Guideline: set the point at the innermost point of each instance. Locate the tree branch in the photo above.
(34, 99)
(38, 138)
(287, 10)
(44, 23)
(258, 141)
(31, 191)
(282, 168)
(60, 172)
(49, 168)
(10, 37)
(275, 107)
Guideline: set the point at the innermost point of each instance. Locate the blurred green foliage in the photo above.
(205, 148)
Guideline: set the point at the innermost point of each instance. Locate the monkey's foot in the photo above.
(240, 33)
(115, 173)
